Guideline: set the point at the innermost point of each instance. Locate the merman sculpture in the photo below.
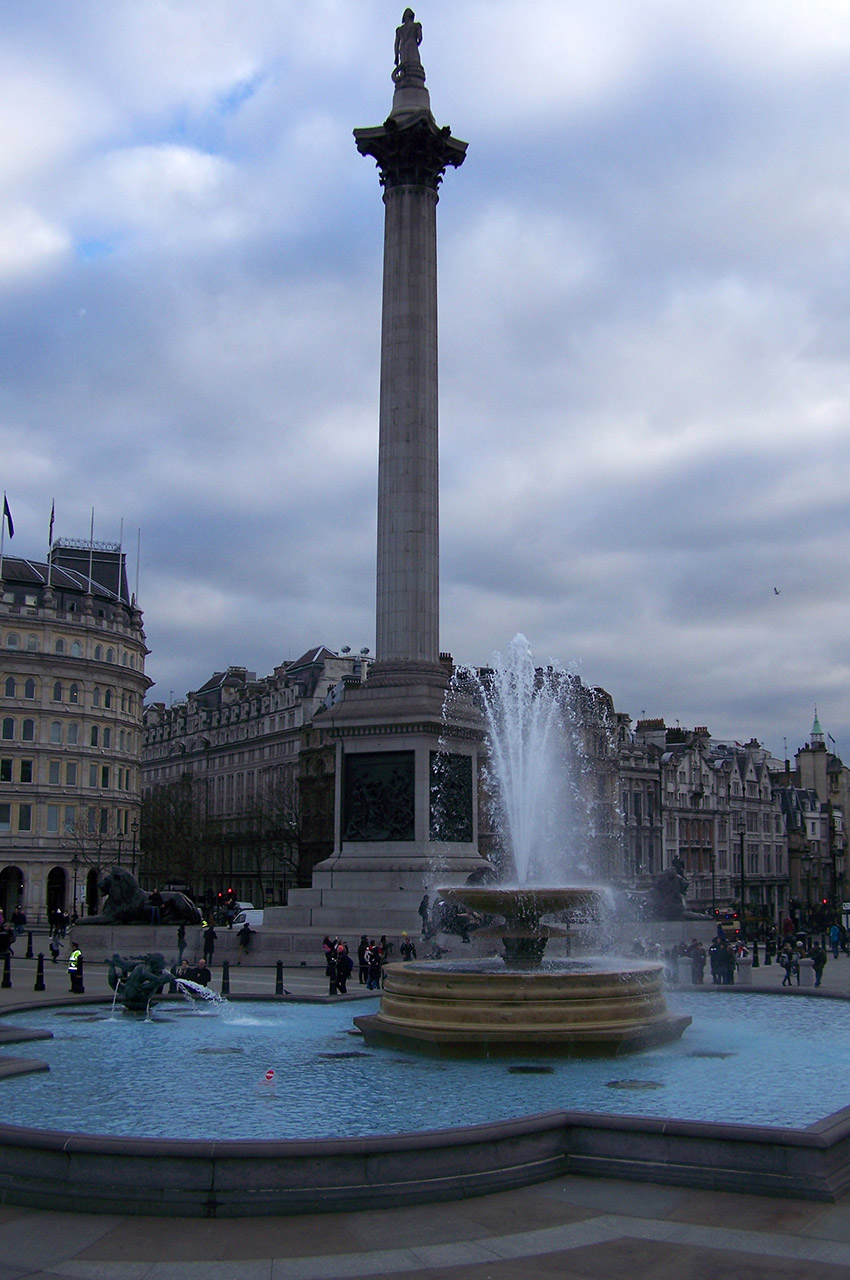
(138, 979)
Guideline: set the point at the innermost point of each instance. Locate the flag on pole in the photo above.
(7, 516)
(52, 518)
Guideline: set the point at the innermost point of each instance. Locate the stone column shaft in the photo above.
(408, 593)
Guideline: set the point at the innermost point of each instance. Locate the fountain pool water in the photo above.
(195, 1072)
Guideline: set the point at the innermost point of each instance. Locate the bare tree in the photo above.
(178, 841)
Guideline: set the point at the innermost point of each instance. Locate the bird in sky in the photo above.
(776, 591)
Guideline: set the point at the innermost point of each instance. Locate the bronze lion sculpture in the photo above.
(126, 903)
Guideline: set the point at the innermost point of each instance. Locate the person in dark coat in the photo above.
(363, 968)
(209, 943)
(374, 960)
(344, 966)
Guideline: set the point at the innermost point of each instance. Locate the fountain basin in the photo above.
(567, 1008)
(775, 1153)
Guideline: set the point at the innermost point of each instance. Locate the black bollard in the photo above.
(28, 955)
(7, 971)
(278, 981)
(39, 973)
(755, 954)
(225, 977)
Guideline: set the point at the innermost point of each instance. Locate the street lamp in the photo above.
(75, 862)
(742, 828)
(807, 861)
(134, 827)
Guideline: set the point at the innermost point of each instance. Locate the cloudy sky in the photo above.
(645, 331)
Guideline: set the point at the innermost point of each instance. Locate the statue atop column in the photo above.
(408, 38)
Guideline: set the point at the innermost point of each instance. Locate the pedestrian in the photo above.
(374, 960)
(181, 942)
(344, 966)
(363, 968)
(407, 950)
(697, 954)
(209, 943)
(75, 970)
(55, 948)
(243, 937)
(425, 914)
(331, 972)
(327, 952)
(819, 959)
(155, 905)
(785, 961)
(834, 940)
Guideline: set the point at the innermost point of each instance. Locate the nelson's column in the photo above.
(406, 781)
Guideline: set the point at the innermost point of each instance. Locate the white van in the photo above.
(248, 914)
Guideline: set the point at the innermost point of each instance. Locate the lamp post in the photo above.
(713, 858)
(120, 839)
(75, 862)
(807, 864)
(134, 827)
(742, 823)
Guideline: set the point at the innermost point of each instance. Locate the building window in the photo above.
(32, 644)
(5, 817)
(110, 655)
(8, 730)
(95, 698)
(12, 641)
(6, 770)
(56, 731)
(107, 698)
(29, 690)
(57, 691)
(25, 817)
(104, 821)
(70, 817)
(74, 693)
(98, 653)
(54, 773)
(11, 690)
(107, 737)
(94, 735)
(76, 649)
(92, 775)
(52, 819)
(73, 734)
(91, 819)
(26, 771)
(28, 734)
(59, 647)
(104, 776)
(71, 773)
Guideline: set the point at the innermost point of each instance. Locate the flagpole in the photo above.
(2, 533)
(50, 543)
(138, 557)
(91, 548)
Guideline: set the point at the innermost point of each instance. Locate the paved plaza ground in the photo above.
(574, 1226)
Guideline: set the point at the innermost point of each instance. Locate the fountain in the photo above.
(519, 1001)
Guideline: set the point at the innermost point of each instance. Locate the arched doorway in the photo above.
(11, 889)
(57, 891)
(91, 893)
